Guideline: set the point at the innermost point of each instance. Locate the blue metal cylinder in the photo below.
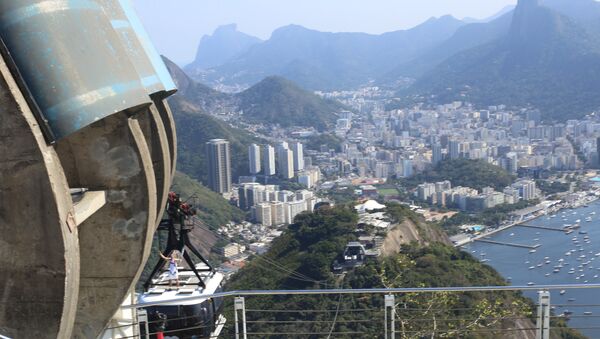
(72, 61)
(158, 65)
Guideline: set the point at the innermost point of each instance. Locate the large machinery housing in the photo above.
(86, 160)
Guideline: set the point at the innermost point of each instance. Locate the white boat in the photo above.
(531, 267)
(562, 292)
(530, 283)
(532, 251)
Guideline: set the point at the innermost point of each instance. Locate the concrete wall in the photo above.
(111, 155)
(59, 279)
(39, 254)
(156, 138)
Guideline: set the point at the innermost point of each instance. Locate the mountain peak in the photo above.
(523, 3)
(225, 43)
(290, 30)
(225, 29)
(279, 100)
(533, 26)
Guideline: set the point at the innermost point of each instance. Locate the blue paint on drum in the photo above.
(72, 61)
(159, 66)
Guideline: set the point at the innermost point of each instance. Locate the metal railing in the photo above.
(389, 316)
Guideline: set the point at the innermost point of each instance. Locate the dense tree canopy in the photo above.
(464, 172)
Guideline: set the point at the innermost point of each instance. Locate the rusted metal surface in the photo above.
(72, 60)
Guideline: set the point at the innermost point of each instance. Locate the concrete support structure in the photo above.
(72, 264)
(111, 154)
(39, 248)
(169, 124)
(87, 157)
(157, 141)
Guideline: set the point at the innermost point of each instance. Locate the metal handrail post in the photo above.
(543, 316)
(390, 303)
(240, 305)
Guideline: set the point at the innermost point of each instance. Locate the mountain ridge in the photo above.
(225, 43)
(273, 100)
(325, 60)
(546, 60)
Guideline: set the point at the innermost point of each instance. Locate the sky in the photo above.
(176, 26)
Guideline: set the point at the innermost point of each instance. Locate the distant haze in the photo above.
(176, 26)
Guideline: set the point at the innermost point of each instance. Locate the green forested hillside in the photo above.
(212, 209)
(314, 142)
(194, 129)
(280, 101)
(302, 258)
(464, 172)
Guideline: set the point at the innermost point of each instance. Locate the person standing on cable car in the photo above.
(173, 271)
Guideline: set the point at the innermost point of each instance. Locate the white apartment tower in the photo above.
(268, 160)
(285, 163)
(298, 150)
(254, 159)
(436, 155)
(219, 165)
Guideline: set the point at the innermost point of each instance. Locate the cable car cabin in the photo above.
(354, 255)
(176, 315)
(200, 318)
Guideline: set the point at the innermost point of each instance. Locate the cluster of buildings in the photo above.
(383, 143)
(289, 160)
(286, 160)
(272, 207)
(469, 199)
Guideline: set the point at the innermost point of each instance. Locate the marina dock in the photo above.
(529, 247)
(542, 227)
